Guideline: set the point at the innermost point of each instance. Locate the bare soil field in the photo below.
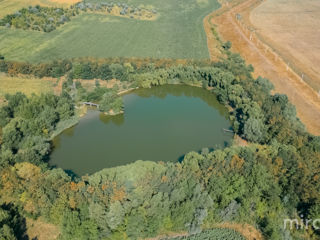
(266, 61)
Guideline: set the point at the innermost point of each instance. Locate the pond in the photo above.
(159, 124)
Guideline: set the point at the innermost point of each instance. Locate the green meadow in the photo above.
(177, 33)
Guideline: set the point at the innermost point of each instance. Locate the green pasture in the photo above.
(177, 33)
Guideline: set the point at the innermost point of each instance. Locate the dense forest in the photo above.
(275, 176)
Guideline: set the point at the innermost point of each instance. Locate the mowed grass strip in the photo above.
(177, 33)
(28, 86)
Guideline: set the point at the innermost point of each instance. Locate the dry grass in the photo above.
(40, 230)
(26, 85)
(291, 27)
(65, 2)
(268, 63)
(246, 230)
(90, 85)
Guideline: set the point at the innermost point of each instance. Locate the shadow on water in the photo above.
(180, 159)
(117, 119)
(205, 151)
(183, 90)
(72, 174)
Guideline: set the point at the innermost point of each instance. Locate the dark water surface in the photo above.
(159, 124)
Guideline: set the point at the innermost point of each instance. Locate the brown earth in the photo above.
(266, 61)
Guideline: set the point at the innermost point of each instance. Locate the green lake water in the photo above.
(159, 124)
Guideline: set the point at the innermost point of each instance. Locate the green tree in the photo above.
(115, 215)
(111, 101)
(254, 130)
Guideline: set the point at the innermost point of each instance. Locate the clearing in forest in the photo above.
(27, 85)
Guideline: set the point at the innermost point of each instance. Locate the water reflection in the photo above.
(117, 119)
(159, 124)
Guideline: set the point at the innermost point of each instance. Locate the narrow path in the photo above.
(268, 64)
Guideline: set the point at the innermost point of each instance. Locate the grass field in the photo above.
(26, 85)
(177, 33)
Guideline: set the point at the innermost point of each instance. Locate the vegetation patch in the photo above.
(11, 6)
(38, 18)
(214, 234)
(47, 19)
(119, 9)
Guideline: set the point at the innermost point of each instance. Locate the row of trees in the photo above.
(275, 177)
(123, 8)
(88, 68)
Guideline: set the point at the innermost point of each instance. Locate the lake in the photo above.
(159, 124)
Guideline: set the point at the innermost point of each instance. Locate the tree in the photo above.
(227, 45)
(118, 71)
(111, 101)
(115, 215)
(77, 225)
(105, 72)
(12, 224)
(4, 116)
(265, 84)
(254, 130)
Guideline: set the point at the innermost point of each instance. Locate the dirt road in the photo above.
(266, 62)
